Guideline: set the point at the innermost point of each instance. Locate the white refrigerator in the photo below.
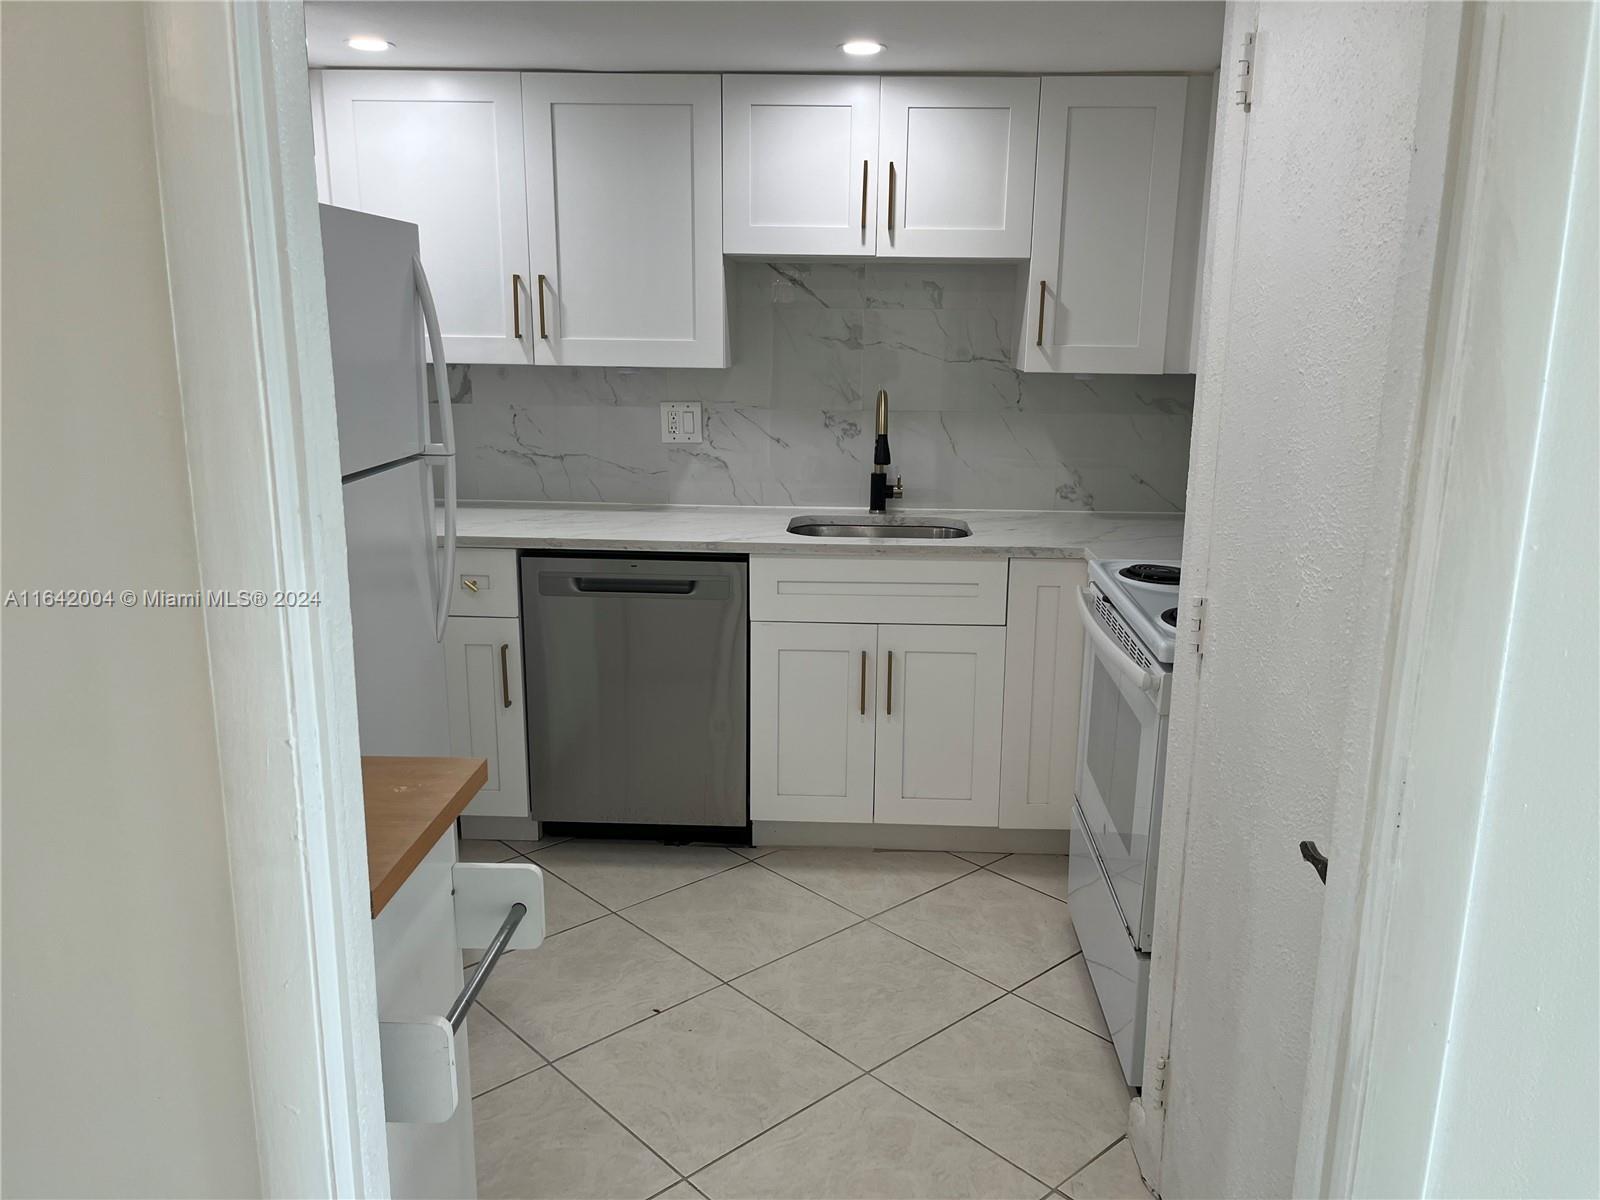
(396, 475)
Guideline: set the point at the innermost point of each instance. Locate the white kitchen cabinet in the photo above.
(799, 155)
(812, 721)
(1043, 686)
(938, 729)
(1104, 218)
(483, 683)
(443, 150)
(624, 187)
(957, 171)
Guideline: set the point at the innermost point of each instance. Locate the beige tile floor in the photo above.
(795, 1023)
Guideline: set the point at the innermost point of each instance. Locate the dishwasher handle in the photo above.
(634, 586)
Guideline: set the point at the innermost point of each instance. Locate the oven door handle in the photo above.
(1114, 655)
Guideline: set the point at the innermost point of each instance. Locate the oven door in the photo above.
(1121, 757)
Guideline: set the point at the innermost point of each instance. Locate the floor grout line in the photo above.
(990, 868)
(957, 1128)
(897, 904)
(740, 861)
(731, 982)
(775, 1125)
(623, 1124)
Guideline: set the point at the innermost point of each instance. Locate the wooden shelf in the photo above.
(410, 804)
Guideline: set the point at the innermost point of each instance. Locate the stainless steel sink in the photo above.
(876, 526)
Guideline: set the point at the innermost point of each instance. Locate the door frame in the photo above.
(231, 103)
(1395, 936)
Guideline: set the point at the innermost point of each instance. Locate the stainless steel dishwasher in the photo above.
(637, 674)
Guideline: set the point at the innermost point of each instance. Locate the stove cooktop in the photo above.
(1145, 594)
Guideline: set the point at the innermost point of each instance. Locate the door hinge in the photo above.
(1158, 1085)
(1197, 625)
(1244, 94)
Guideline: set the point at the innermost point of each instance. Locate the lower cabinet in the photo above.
(1044, 680)
(916, 724)
(888, 723)
(939, 724)
(813, 708)
(483, 680)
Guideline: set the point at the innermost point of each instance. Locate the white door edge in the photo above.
(244, 257)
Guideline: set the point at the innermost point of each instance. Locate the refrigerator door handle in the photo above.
(441, 373)
(441, 600)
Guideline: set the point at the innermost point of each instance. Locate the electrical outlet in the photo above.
(680, 422)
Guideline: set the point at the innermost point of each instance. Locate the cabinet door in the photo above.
(488, 718)
(625, 219)
(443, 150)
(811, 721)
(799, 153)
(1044, 683)
(939, 701)
(957, 167)
(1105, 212)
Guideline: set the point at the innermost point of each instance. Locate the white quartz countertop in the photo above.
(763, 530)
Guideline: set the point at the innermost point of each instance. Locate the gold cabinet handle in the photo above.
(1039, 341)
(505, 674)
(516, 307)
(468, 582)
(888, 700)
(863, 683)
(864, 165)
(543, 334)
(891, 198)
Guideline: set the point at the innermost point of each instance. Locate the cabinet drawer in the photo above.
(909, 591)
(485, 584)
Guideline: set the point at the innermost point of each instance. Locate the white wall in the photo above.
(1499, 847)
(1315, 319)
(124, 1067)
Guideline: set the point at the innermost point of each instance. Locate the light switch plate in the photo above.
(680, 421)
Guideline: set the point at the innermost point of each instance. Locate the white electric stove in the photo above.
(1130, 620)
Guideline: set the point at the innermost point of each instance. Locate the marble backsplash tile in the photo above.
(790, 421)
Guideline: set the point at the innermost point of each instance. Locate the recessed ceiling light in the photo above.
(370, 43)
(862, 47)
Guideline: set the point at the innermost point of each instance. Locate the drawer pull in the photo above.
(864, 165)
(1039, 341)
(888, 694)
(516, 307)
(543, 333)
(891, 199)
(863, 683)
(505, 673)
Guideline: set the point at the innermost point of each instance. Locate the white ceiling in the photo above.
(1034, 36)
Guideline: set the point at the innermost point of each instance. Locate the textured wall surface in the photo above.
(1293, 532)
(790, 422)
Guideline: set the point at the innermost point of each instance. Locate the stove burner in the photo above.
(1170, 617)
(1151, 573)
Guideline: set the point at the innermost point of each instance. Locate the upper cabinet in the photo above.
(958, 160)
(843, 166)
(443, 150)
(624, 186)
(800, 156)
(1105, 216)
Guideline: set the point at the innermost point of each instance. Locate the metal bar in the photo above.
(516, 307)
(543, 334)
(505, 673)
(1039, 341)
(864, 164)
(891, 199)
(497, 947)
(863, 683)
(888, 697)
